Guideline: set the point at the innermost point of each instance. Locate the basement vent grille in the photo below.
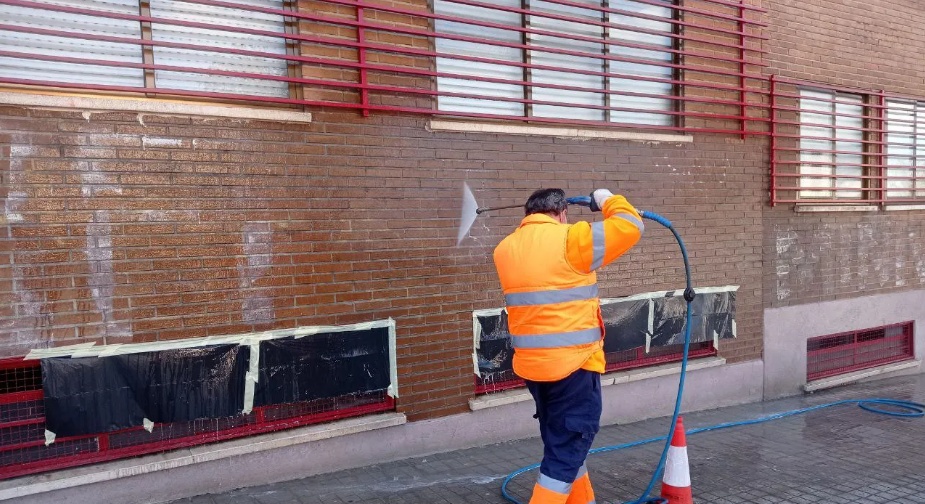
(841, 353)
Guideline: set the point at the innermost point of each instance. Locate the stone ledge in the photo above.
(836, 208)
(151, 106)
(854, 376)
(891, 208)
(608, 379)
(555, 131)
(78, 476)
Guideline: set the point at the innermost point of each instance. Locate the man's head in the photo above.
(548, 201)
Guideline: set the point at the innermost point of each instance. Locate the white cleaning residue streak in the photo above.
(257, 305)
(147, 141)
(102, 279)
(31, 316)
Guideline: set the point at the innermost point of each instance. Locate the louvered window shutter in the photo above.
(218, 40)
(72, 47)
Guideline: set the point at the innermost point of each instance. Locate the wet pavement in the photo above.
(839, 454)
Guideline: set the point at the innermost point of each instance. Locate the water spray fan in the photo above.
(471, 210)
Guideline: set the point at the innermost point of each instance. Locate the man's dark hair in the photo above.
(546, 201)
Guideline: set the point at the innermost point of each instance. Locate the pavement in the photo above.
(839, 454)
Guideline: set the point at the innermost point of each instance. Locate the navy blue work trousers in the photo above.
(569, 411)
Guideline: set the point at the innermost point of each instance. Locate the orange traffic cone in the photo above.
(676, 482)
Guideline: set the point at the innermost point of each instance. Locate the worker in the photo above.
(547, 272)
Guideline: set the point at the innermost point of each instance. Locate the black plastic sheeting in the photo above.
(712, 312)
(91, 395)
(495, 353)
(322, 366)
(626, 324)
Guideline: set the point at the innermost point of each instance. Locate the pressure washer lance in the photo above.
(584, 201)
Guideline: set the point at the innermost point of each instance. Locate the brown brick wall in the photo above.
(124, 228)
(869, 45)
(824, 256)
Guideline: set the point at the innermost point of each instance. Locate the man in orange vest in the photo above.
(547, 271)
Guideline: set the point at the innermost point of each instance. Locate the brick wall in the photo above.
(869, 45)
(823, 256)
(121, 227)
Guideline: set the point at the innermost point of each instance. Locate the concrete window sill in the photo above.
(615, 378)
(554, 131)
(100, 104)
(856, 208)
(854, 376)
(836, 208)
(77, 476)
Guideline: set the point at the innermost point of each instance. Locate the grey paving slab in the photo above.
(841, 454)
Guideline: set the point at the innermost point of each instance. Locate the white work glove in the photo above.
(598, 197)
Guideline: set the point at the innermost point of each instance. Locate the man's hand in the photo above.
(598, 197)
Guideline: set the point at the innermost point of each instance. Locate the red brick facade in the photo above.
(125, 227)
(811, 257)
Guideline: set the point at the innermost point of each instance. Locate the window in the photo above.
(831, 145)
(59, 38)
(905, 150)
(609, 61)
(642, 330)
(307, 375)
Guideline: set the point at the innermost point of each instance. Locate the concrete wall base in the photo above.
(786, 330)
(639, 400)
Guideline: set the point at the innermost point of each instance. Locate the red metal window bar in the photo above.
(379, 57)
(833, 145)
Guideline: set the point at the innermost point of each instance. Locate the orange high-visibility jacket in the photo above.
(547, 272)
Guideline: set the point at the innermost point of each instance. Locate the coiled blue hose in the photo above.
(900, 408)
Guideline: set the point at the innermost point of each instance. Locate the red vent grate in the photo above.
(841, 353)
(616, 361)
(22, 426)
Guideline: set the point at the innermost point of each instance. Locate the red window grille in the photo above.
(379, 56)
(842, 353)
(836, 145)
(22, 426)
(616, 361)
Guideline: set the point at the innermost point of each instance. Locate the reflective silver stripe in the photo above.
(551, 296)
(554, 484)
(597, 236)
(582, 471)
(632, 218)
(556, 340)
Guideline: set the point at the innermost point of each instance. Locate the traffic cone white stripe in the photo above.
(676, 480)
(676, 473)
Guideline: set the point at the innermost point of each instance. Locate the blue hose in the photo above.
(899, 408)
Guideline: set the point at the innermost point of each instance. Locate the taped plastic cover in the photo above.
(323, 365)
(710, 313)
(90, 395)
(495, 352)
(625, 324)
(647, 320)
